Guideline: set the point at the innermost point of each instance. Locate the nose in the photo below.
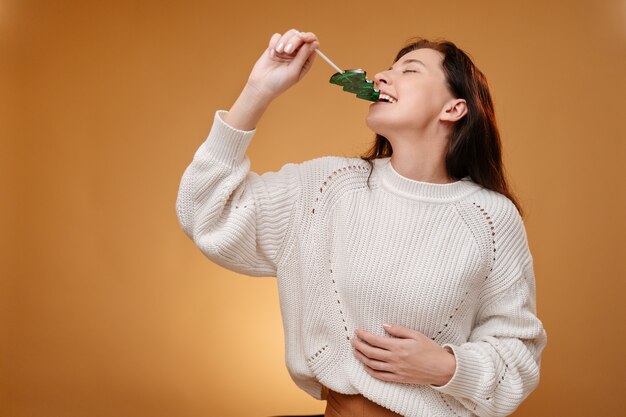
(380, 78)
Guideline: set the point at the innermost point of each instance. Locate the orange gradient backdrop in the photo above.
(108, 309)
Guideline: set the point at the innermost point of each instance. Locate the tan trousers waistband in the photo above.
(342, 405)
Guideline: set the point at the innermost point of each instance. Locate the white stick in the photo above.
(329, 61)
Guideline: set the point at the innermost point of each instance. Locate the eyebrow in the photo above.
(409, 61)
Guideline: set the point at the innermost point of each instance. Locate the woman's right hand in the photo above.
(287, 59)
(274, 72)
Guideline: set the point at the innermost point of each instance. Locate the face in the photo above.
(418, 85)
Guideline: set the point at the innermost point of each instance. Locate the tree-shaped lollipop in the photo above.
(353, 81)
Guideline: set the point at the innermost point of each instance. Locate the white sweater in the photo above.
(355, 248)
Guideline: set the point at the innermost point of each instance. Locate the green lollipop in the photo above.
(353, 81)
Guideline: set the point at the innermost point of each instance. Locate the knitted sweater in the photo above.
(353, 248)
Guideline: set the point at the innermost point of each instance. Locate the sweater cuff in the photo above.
(226, 144)
(465, 383)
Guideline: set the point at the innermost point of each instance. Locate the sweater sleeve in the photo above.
(498, 367)
(237, 218)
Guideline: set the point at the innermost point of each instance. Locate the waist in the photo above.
(342, 405)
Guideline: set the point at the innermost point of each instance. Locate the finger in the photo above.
(306, 67)
(383, 376)
(371, 351)
(308, 64)
(286, 40)
(308, 36)
(294, 43)
(373, 364)
(382, 342)
(298, 45)
(400, 331)
(272, 45)
(303, 55)
(274, 40)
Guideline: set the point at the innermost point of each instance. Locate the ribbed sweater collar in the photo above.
(419, 190)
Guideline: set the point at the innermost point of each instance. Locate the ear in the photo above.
(453, 110)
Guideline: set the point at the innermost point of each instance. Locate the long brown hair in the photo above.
(474, 147)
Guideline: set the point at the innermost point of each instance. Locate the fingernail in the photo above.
(288, 48)
(279, 48)
(386, 325)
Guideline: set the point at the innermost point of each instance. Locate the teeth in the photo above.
(386, 98)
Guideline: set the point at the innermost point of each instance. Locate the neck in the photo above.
(421, 159)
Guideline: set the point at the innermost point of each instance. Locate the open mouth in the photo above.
(386, 98)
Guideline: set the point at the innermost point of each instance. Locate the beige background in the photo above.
(108, 309)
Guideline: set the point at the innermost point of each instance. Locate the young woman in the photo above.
(405, 278)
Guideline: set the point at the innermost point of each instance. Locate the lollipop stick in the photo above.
(325, 58)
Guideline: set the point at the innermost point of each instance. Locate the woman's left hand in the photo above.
(409, 357)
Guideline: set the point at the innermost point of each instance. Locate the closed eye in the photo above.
(408, 71)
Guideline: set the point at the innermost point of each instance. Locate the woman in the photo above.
(405, 278)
